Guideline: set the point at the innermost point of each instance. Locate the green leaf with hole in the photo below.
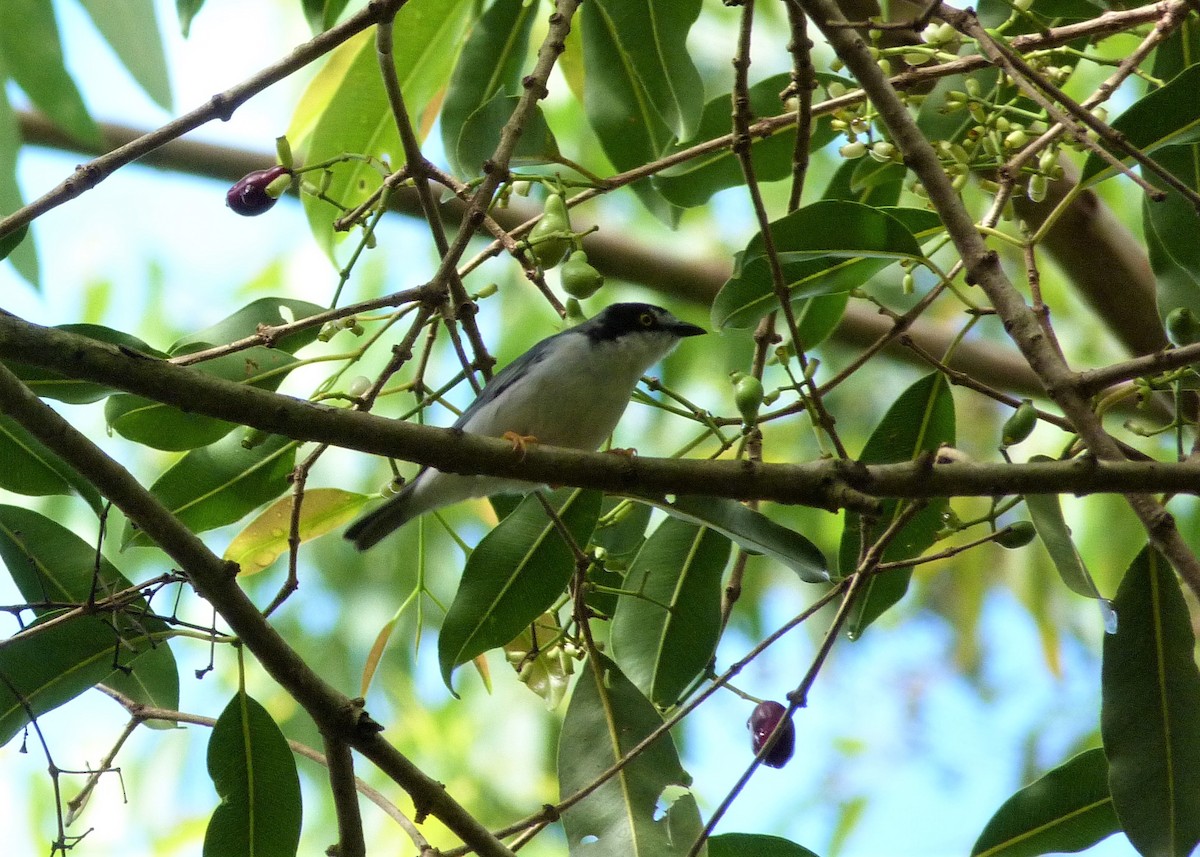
(50, 564)
(664, 635)
(31, 52)
(1170, 115)
(514, 575)
(917, 423)
(352, 109)
(1069, 809)
(1150, 693)
(645, 810)
(222, 483)
(827, 247)
(751, 530)
(492, 62)
(131, 30)
(254, 773)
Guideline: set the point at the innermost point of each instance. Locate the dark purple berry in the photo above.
(762, 723)
(249, 196)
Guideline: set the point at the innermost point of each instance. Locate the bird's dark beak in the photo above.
(682, 328)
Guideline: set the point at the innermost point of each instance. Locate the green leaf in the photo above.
(1166, 116)
(514, 575)
(1150, 693)
(606, 718)
(481, 132)
(21, 253)
(31, 51)
(625, 536)
(693, 183)
(491, 64)
(164, 427)
(826, 247)
(32, 469)
(221, 483)
(187, 10)
(650, 44)
(1045, 510)
(1068, 809)
(354, 112)
(663, 636)
(918, 422)
(752, 530)
(131, 30)
(160, 426)
(323, 14)
(51, 385)
(254, 773)
(754, 845)
(41, 670)
(636, 60)
(1170, 227)
(49, 563)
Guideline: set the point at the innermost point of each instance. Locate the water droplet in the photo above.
(264, 558)
(278, 533)
(1109, 614)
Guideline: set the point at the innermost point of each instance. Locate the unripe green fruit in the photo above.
(579, 279)
(1182, 326)
(547, 239)
(1020, 425)
(1016, 535)
(748, 396)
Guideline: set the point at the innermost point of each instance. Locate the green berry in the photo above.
(1182, 326)
(548, 239)
(579, 279)
(748, 396)
(1020, 425)
(1016, 535)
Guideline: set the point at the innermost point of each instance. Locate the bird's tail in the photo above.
(374, 526)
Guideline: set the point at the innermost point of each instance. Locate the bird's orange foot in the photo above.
(519, 441)
(628, 452)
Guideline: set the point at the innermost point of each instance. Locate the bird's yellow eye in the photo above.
(646, 320)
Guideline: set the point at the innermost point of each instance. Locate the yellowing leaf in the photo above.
(266, 537)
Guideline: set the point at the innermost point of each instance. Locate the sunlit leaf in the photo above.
(356, 117)
(254, 773)
(1069, 809)
(666, 633)
(606, 718)
(918, 422)
(266, 537)
(1150, 690)
(513, 576)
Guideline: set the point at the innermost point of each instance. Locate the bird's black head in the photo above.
(619, 320)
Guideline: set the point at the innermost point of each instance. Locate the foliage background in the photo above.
(985, 676)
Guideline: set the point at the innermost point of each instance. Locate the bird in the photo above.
(568, 390)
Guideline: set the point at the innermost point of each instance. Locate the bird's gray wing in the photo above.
(507, 376)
